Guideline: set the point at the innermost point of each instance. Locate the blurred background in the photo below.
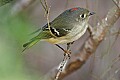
(16, 23)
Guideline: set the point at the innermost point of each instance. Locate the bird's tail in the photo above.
(30, 44)
(33, 41)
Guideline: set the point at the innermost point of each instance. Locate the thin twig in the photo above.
(111, 46)
(47, 13)
(116, 3)
(43, 5)
(65, 60)
(112, 76)
(118, 33)
(110, 67)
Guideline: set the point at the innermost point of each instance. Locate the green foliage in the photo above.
(3, 2)
(13, 32)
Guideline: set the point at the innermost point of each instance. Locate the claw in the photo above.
(66, 52)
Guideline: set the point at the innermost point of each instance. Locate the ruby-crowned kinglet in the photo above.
(66, 28)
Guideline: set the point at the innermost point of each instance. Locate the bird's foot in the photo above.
(67, 52)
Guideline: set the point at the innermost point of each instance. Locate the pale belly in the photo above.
(73, 36)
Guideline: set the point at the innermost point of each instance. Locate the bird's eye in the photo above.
(82, 16)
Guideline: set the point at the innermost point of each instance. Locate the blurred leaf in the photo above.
(13, 33)
(3, 2)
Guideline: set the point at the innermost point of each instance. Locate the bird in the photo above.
(68, 27)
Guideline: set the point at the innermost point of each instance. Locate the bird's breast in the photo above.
(77, 32)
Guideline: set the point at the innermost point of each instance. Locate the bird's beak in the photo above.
(91, 13)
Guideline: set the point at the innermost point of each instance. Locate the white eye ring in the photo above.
(82, 16)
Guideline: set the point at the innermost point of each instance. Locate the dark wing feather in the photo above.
(57, 31)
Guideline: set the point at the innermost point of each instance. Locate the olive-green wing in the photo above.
(57, 29)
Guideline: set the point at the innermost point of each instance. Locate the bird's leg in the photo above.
(68, 48)
(65, 59)
(60, 47)
(68, 51)
(65, 51)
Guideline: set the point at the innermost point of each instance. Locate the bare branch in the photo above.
(90, 45)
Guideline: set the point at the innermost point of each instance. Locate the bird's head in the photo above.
(79, 14)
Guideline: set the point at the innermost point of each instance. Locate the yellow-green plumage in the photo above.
(30, 44)
(33, 41)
